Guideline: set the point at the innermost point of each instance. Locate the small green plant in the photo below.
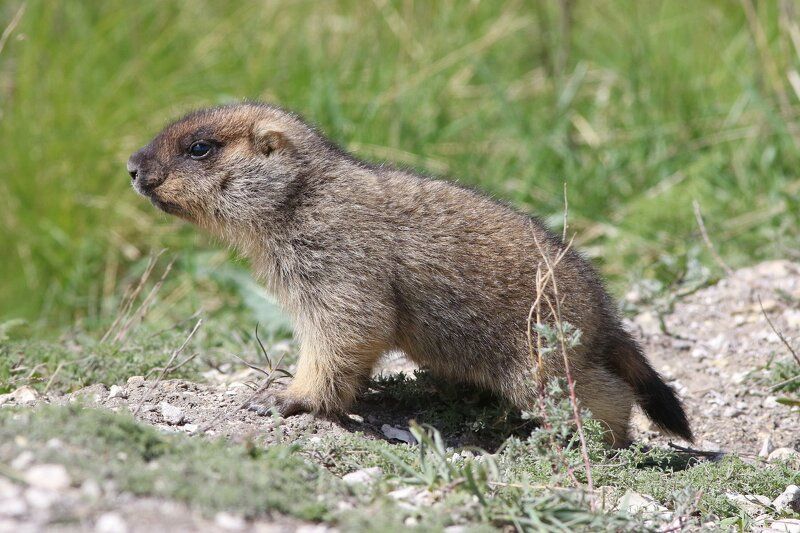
(437, 467)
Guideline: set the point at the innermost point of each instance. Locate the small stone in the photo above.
(190, 428)
(229, 522)
(635, 503)
(784, 454)
(732, 412)
(766, 447)
(770, 402)
(117, 392)
(356, 418)
(699, 353)
(110, 523)
(410, 498)
(171, 414)
(792, 318)
(403, 494)
(398, 434)
(22, 461)
(752, 504)
(739, 377)
(343, 505)
(40, 498)
(48, 476)
(91, 489)
(363, 476)
(92, 394)
(789, 500)
(718, 343)
(316, 528)
(8, 489)
(136, 381)
(24, 395)
(786, 525)
(12, 507)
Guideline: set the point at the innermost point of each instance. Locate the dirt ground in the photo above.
(714, 349)
(714, 346)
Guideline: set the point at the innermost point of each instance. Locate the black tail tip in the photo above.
(663, 407)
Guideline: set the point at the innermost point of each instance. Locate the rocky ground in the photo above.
(715, 346)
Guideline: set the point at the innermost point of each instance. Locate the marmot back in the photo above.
(368, 259)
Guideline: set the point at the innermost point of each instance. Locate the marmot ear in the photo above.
(268, 139)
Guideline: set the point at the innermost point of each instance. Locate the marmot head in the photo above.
(227, 166)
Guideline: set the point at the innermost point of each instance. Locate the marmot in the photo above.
(370, 258)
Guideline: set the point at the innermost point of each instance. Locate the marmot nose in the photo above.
(133, 169)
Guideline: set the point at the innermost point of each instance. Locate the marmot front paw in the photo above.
(281, 402)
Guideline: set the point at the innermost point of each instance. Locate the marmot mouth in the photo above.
(167, 207)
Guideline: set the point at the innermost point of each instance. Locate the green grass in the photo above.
(638, 106)
(251, 481)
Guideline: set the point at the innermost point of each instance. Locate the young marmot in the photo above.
(370, 258)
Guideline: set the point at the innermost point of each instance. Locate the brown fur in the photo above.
(368, 259)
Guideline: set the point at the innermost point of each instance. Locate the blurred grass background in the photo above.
(639, 106)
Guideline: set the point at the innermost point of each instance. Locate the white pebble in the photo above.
(24, 395)
(40, 498)
(229, 522)
(770, 402)
(171, 414)
(22, 461)
(784, 454)
(117, 392)
(110, 523)
(787, 525)
(635, 503)
(12, 507)
(766, 448)
(8, 489)
(789, 500)
(48, 476)
(363, 476)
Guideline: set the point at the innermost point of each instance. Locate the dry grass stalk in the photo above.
(11, 26)
(710, 245)
(269, 378)
(130, 296)
(778, 333)
(545, 274)
(163, 372)
(138, 315)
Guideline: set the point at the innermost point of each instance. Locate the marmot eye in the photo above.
(199, 150)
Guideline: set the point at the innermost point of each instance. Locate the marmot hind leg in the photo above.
(604, 394)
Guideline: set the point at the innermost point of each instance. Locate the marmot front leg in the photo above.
(327, 380)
